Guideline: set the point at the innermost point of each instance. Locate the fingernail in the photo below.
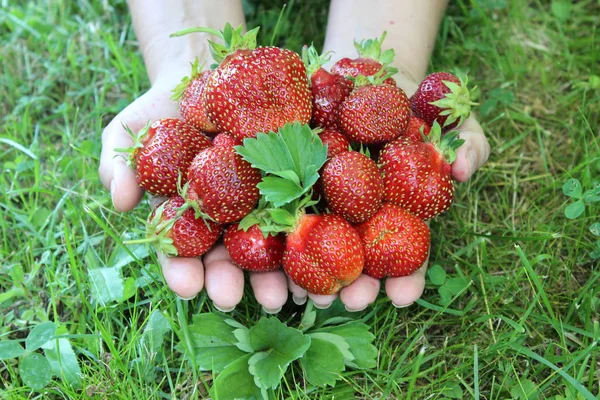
(224, 309)
(322, 306)
(355, 309)
(402, 305)
(186, 298)
(298, 300)
(271, 310)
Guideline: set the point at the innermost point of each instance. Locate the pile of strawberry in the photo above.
(328, 174)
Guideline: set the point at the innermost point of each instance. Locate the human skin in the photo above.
(411, 27)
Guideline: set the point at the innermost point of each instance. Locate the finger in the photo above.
(224, 281)
(473, 153)
(405, 290)
(184, 276)
(322, 301)
(298, 294)
(359, 294)
(270, 290)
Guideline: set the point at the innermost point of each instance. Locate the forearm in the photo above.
(154, 21)
(411, 27)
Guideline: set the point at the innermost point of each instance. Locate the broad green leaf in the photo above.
(40, 335)
(154, 332)
(322, 363)
(277, 346)
(106, 285)
(592, 195)
(575, 209)
(236, 382)
(336, 340)
(572, 188)
(360, 340)
(595, 229)
(35, 371)
(524, 389)
(279, 191)
(63, 361)
(10, 349)
(308, 317)
(213, 341)
(437, 275)
(291, 158)
(453, 391)
(243, 337)
(561, 9)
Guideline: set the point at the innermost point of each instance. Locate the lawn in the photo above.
(510, 311)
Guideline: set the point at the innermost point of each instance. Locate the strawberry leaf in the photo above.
(359, 339)
(236, 382)
(323, 362)
(277, 345)
(290, 159)
(214, 342)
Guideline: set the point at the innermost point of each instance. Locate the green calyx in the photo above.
(233, 39)
(185, 81)
(447, 144)
(313, 60)
(137, 138)
(157, 232)
(371, 48)
(457, 103)
(377, 79)
(290, 160)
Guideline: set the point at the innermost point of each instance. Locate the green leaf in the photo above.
(282, 217)
(290, 158)
(236, 382)
(524, 389)
(360, 340)
(562, 9)
(437, 275)
(595, 229)
(63, 361)
(35, 371)
(322, 363)
(308, 317)
(575, 209)
(154, 332)
(40, 335)
(243, 337)
(213, 341)
(277, 345)
(453, 391)
(572, 188)
(592, 195)
(337, 340)
(279, 191)
(106, 285)
(10, 349)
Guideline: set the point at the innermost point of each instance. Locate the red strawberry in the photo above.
(369, 62)
(413, 131)
(323, 254)
(396, 243)
(177, 232)
(417, 175)
(375, 114)
(223, 185)
(252, 251)
(335, 142)
(328, 90)
(162, 151)
(353, 186)
(223, 139)
(444, 98)
(190, 94)
(253, 89)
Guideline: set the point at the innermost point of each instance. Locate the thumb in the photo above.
(473, 153)
(115, 174)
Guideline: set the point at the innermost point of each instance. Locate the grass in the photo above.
(516, 317)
